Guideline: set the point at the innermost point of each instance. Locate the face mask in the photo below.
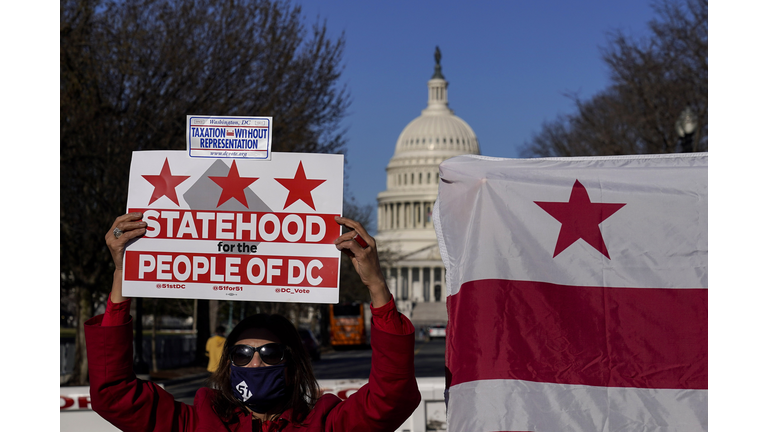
(259, 388)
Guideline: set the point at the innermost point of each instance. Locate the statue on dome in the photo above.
(438, 69)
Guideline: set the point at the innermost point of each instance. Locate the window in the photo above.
(404, 278)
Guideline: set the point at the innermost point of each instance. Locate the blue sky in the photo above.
(509, 65)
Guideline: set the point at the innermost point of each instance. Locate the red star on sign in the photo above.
(299, 188)
(165, 184)
(580, 219)
(233, 186)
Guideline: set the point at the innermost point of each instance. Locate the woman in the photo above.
(264, 381)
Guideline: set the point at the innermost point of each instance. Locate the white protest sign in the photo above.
(229, 137)
(235, 229)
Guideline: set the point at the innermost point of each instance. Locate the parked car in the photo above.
(437, 331)
(310, 343)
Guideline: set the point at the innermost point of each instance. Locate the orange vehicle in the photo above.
(347, 324)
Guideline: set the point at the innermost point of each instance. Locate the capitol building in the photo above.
(406, 237)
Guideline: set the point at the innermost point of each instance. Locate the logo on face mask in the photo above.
(242, 388)
(260, 388)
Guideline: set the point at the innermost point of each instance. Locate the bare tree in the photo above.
(130, 72)
(652, 83)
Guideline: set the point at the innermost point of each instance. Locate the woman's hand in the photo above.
(126, 227)
(362, 251)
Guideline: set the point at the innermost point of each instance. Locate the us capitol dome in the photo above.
(406, 237)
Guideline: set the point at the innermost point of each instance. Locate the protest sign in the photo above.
(229, 137)
(235, 229)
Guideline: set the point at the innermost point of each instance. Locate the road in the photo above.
(351, 364)
(342, 364)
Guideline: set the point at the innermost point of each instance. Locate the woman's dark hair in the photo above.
(302, 386)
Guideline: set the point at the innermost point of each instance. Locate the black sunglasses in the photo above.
(271, 354)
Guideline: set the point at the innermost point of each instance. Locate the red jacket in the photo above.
(389, 398)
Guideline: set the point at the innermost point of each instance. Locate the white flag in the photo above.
(577, 292)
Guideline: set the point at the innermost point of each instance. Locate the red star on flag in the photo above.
(299, 188)
(165, 184)
(233, 186)
(580, 219)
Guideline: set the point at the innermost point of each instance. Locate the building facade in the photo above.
(406, 237)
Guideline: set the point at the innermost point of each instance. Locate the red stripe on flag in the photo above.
(597, 336)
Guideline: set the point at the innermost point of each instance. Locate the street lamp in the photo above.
(686, 126)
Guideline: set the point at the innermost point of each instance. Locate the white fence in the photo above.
(77, 415)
